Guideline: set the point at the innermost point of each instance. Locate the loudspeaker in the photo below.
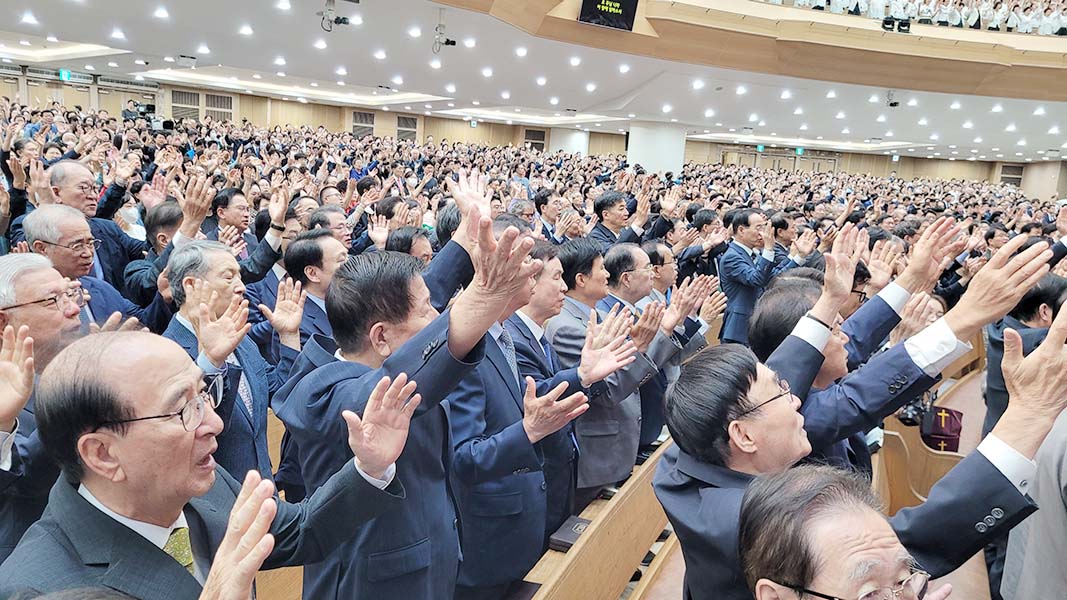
(887, 24)
(904, 26)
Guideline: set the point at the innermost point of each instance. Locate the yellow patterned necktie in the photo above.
(179, 548)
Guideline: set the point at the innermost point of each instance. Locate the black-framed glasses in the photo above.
(192, 413)
(862, 294)
(73, 295)
(785, 392)
(79, 246)
(912, 588)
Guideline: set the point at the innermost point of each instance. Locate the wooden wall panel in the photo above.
(43, 93)
(73, 96)
(455, 130)
(253, 108)
(874, 164)
(606, 143)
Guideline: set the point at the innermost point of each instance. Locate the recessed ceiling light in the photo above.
(90, 68)
(831, 94)
(955, 105)
(889, 134)
(913, 102)
(505, 95)
(161, 13)
(280, 73)
(302, 100)
(398, 80)
(245, 30)
(923, 121)
(476, 103)
(52, 39)
(624, 68)
(470, 42)
(631, 116)
(1010, 127)
(845, 131)
(427, 106)
(487, 72)
(968, 125)
(753, 118)
(666, 108)
(1054, 130)
(203, 49)
(385, 108)
(28, 18)
(279, 61)
(840, 115)
(934, 136)
(117, 34)
(340, 83)
(1020, 143)
(590, 87)
(804, 127)
(553, 100)
(541, 81)
(113, 64)
(355, 20)
(880, 119)
(414, 32)
(674, 120)
(379, 54)
(283, 5)
(873, 99)
(168, 59)
(256, 76)
(718, 124)
(450, 88)
(698, 84)
(407, 108)
(451, 105)
(575, 61)
(24, 43)
(1039, 111)
(785, 95)
(978, 140)
(435, 64)
(1000, 156)
(557, 114)
(320, 44)
(741, 90)
(798, 111)
(510, 122)
(997, 108)
(140, 78)
(520, 51)
(952, 146)
(314, 84)
(762, 124)
(341, 71)
(709, 113)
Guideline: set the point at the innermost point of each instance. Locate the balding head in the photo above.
(74, 185)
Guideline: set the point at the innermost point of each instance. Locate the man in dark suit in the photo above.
(744, 270)
(721, 447)
(142, 506)
(312, 259)
(62, 234)
(231, 209)
(616, 224)
(265, 291)
(205, 275)
(384, 324)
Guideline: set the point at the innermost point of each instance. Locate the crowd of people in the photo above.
(468, 344)
(1038, 17)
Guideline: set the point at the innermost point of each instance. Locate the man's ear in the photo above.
(96, 452)
(378, 339)
(769, 590)
(741, 438)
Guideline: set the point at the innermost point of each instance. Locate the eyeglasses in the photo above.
(79, 246)
(86, 188)
(862, 294)
(645, 269)
(192, 413)
(912, 588)
(785, 392)
(73, 295)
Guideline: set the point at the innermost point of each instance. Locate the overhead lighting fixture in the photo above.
(25, 43)
(476, 103)
(553, 100)
(831, 94)
(698, 84)
(1054, 130)
(161, 13)
(968, 125)
(889, 134)
(840, 115)
(90, 68)
(169, 59)
(880, 119)
(978, 140)
(997, 108)
(414, 32)
(923, 121)
(379, 54)
(955, 105)
(666, 108)
(520, 52)
(314, 84)
(845, 131)
(302, 100)
(52, 39)
(873, 99)
(140, 61)
(355, 20)
(256, 76)
(138, 78)
(631, 116)
(741, 90)
(280, 73)
(340, 83)
(934, 136)
(203, 49)
(450, 88)
(1010, 128)
(470, 42)
(29, 19)
(575, 61)
(624, 68)
(279, 61)
(435, 64)
(1039, 111)
(798, 111)
(398, 80)
(117, 34)
(913, 102)
(1020, 143)
(320, 44)
(541, 81)
(674, 120)
(709, 113)
(341, 71)
(283, 5)
(785, 95)
(451, 105)
(804, 127)
(113, 64)
(590, 87)
(245, 30)
(487, 72)
(753, 118)
(506, 95)
(762, 124)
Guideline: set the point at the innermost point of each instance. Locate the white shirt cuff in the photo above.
(381, 484)
(1018, 469)
(812, 332)
(206, 366)
(799, 260)
(768, 254)
(895, 296)
(935, 348)
(272, 238)
(180, 239)
(7, 442)
(637, 230)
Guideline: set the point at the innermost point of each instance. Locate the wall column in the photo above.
(568, 140)
(657, 147)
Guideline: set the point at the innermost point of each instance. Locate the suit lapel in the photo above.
(243, 358)
(496, 357)
(539, 350)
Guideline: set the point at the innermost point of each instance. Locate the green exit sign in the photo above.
(800, 152)
(759, 148)
(64, 74)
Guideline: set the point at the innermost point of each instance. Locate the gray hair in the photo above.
(60, 172)
(43, 223)
(190, 260)
(12, 266)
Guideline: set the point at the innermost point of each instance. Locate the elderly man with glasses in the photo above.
(62, 234)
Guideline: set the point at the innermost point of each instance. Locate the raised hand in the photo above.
(883, 256)
(16, 374)
(288, 312)
(195, 203)
(598, 362)
(615, 323)
(220, 335)
(934, 246)
(472, 190)
(18, 173)
(806, 242)
(687, 239)
(545, 415)
(40, 187)
(920, 311)
(229, 235)
(247, 543)
(378, 230)
(591, 224)
(713, 307)
(378, 438)
(647, 325)
(501, 267)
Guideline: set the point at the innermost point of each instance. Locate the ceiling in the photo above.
(498, 73)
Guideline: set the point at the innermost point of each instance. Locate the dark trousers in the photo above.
(493, 592)
(995, 553)
(926, 22)
(583, 497)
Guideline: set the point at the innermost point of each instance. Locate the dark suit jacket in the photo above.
(24, 487)
(408, 553)
(263, 292)
(243, 440)
(249, 238)
(742, 280)
(76, 545)
(116, 251)
(106, 300)
(608, 239)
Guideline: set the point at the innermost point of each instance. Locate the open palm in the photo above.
(16, 373)
(378, 438)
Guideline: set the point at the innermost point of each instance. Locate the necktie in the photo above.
(548, 353)
(179, 548)
(244, 391)
(508, 346)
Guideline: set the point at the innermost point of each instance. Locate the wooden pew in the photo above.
(622, 529)
(912, 467)
(664, 579)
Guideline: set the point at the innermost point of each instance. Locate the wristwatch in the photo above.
(277, 227)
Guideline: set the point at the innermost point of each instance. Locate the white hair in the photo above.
(191, 260)
(43, 223)
(12, 267)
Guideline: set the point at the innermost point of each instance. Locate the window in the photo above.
(1012, 174)
(184, 105)
(536, 139)
(406, 128)
(219, 108)
(362, 124)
